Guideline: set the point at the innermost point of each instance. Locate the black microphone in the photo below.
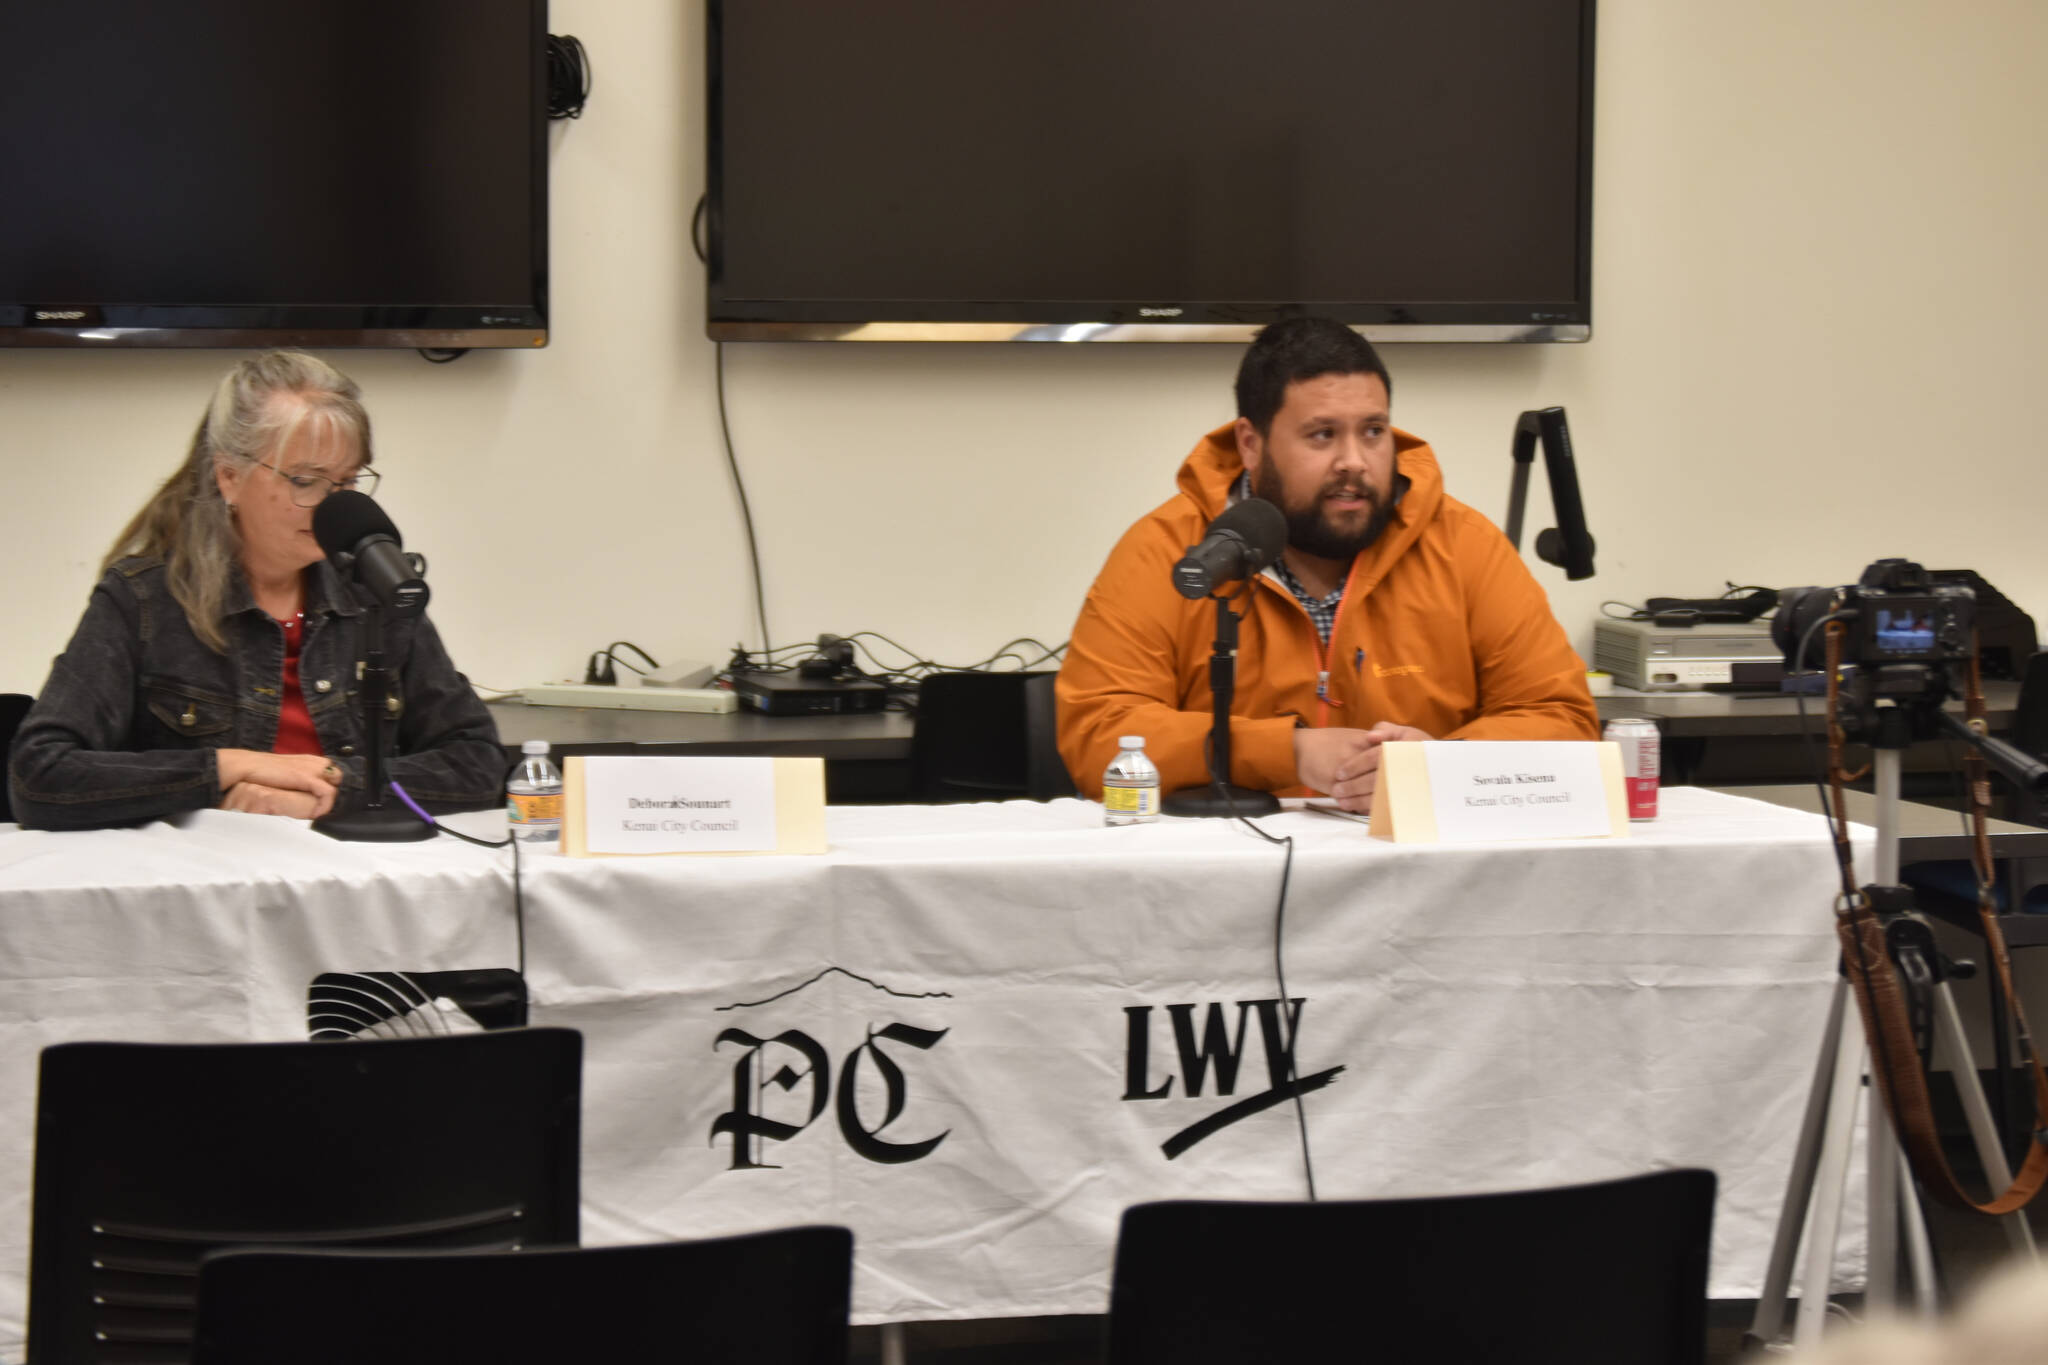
(365, 546)
(1237, 545)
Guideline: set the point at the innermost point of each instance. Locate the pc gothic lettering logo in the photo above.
(782, 1082)
(1216, 1050)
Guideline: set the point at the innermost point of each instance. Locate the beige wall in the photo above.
(1819, 267)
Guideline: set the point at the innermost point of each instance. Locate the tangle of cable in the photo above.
(569, 76)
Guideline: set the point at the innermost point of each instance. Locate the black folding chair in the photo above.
(772, 1298)
(150, 1155)
(1579, 1275)
(986, 737)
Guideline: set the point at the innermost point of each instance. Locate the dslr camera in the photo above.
(1895, 614)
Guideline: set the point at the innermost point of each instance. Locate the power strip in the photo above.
(631, 698)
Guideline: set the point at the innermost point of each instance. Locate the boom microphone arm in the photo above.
(1569, 545)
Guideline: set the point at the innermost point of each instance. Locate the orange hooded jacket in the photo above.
(1441, 627)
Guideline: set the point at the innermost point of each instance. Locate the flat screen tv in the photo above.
(249, 172)
(1149, 170)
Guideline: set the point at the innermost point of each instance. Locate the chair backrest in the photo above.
(772, 1298)
(2030, 712)
(986, 737)
(1590, 1273)
(149, 1155)
(13, 710)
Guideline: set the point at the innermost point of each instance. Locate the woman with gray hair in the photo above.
(216, 662)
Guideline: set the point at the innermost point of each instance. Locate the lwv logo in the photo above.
(1215, 1052)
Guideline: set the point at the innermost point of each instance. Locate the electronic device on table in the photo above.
(804, 694)
(1717, 656)
(611, 698)
(1676, 644)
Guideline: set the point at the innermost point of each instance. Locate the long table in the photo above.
(867, 754)
(1723, 738)
(976, 1033)
(1709, 737)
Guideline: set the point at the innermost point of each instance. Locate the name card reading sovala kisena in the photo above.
(1478, 790)
(627, 806)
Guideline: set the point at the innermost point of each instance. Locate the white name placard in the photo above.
(1476, 791)
(632, 805)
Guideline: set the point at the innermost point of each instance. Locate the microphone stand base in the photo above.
(375, 825)
(1209, 801)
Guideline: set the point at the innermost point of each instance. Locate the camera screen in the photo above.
(1905, 630)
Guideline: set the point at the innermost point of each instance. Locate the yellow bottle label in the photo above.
(532, 808)
(1130, 800)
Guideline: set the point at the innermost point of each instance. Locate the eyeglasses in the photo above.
(310, 490)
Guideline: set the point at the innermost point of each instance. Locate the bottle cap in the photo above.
(1131, 742)
(534, 746)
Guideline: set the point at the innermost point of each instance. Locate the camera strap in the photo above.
(1883, 998)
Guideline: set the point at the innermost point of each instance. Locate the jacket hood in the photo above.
(1213, 466)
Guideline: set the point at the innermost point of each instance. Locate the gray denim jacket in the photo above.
(125, 728)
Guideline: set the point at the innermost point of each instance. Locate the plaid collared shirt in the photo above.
(1321, 610)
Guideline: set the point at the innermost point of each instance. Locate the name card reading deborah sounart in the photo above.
(627, 806)
(1475, 791)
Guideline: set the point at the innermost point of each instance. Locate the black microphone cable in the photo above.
(739, 487)
(518, 890)
(1287, 1018)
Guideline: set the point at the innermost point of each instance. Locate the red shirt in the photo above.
(295, 733)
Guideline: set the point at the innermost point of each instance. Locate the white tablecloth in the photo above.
(1474, 1018)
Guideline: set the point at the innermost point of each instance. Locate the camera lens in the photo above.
(1798, 609)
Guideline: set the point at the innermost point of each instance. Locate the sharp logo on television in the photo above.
(783, 1080)
(1215, 1050)
(60, 315)
(1160, 312)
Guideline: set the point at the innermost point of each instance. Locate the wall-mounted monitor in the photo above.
(1149, 170)
(250, 173)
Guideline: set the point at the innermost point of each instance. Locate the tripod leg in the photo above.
(1919, 1250)
(1770, 1304)
(1881, 1166)
(1830, 1184)
(1949, 1039)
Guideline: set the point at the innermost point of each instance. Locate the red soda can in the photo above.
(1640, 753)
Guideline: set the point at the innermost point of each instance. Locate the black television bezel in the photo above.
(79, 325)
(1112, 320)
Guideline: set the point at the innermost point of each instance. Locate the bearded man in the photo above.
(1395, 612)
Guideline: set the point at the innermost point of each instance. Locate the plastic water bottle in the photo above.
(1130, 786)
(533, 799)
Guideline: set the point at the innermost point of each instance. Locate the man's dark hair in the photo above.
(1297, 349)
